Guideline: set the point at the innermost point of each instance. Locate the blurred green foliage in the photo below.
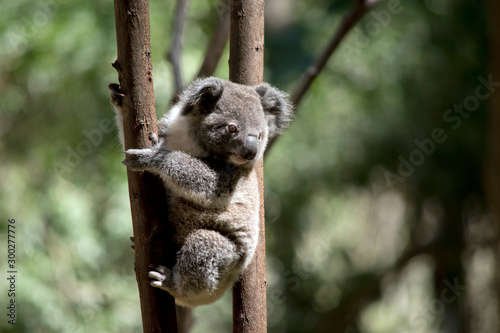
(334, 218)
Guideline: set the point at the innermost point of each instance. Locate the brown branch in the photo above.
(174, 53)
(358, 10)
(246, 66)
(351, 18)
(147, 195)
(217, 43)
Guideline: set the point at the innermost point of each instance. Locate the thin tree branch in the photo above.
(217, 43)
(357, 11)
(351, 18)
(175, 51)
(146, 192)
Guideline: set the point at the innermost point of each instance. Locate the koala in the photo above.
(205, 152)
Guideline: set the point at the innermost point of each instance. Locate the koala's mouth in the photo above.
(237, 159)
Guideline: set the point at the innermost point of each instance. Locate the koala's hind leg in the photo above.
(206, 266)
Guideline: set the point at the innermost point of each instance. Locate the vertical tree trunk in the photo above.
(147, 195)
(246, 66)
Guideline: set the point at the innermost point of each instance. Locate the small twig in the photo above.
(174, 53)
(351, 18)
(217, 43)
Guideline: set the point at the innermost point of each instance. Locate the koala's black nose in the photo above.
(251, 147)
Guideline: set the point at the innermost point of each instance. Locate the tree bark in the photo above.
(246, 66)
(147, 194)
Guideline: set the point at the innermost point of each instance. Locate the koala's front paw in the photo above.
(116, 94)
(162, 276)
(148, 158)
(139, 159)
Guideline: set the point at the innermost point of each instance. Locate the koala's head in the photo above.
(233, 121)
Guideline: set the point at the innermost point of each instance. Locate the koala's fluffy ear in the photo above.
(277, 108)
(202, 95)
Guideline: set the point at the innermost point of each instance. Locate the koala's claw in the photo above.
(158, 143)
(154, 139)
(161, 269)
(116, 94)
(133, 243)
(144, 159)
(159, 274)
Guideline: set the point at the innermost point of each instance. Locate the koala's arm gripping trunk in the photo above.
(147, 195)
(187, 176)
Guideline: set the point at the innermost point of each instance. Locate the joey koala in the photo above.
(205, 151)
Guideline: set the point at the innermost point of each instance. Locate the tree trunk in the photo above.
(246, 66)
(147, 194)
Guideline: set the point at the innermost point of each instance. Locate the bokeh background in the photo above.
(377, 217)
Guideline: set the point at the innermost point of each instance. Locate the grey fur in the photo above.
(207, 146)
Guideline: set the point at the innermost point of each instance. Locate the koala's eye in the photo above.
(232, 128)
(260, 135)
